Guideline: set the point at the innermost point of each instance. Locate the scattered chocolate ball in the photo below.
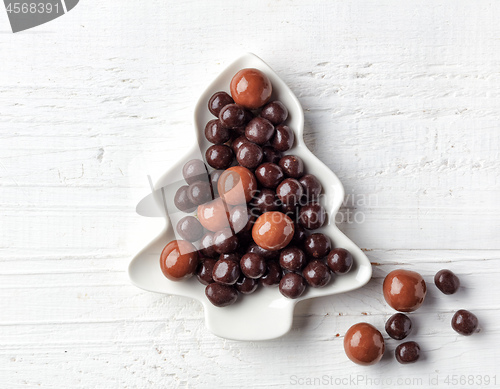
(317, 245)
(364, 344)
(275, 112)
(219, 156)
(269, 175)
(190, 229)
(273, 274)
(246, 285)
(204, 271)
(292, 166)
(340, 261)
(226, 272)
(218, 101)
(232, 116)
(200, 192)
(398, 326)
(225, 241)
(289, 191)
(271, 154)
(292, 258)
(259, 130)
(283, 138)
(221, 295)
(194, 170)
(253, 265)
(249, 155)
(404, 290)
(446, 281)
(464, 322)
(312, 186)
(216, 133)
(407, 352)
(292, 285)
(312, 216)
(317, 274)
(182, 201)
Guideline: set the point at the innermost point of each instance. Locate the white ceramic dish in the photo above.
(266, 314)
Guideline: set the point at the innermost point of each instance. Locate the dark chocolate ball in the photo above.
(317, 245)
(292, 258)
(275, 112)
(232, 116)
(194, 170)
(273, 274)
(271, 154)
(312, 186)
(299, 235)
(190, 229)
(214, 180)
(398, 326)
(283, 138)
(225, 241)
(182, 201)
(240, 218)
(312, 216)
(216, 133)
(246, 285)
(204, 271)
(237, 142)
(249, 155)
(200, 192)
(226, 272)
(269, 175)
(407, 352)
(207, 245)
(289, 191)
(340, 261)
(317, 274)
(464, 322)
(259, 130)
(267, 254)
(292, 285)
(292, 166)
(221, 295)
(266, 201)
(218, 101)
(219, 156)
(253, 265)
(446, 281)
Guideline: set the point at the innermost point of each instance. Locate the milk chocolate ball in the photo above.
(364, 344)
(251, 88)
(273, 230)
(179, 260)
(404, 290)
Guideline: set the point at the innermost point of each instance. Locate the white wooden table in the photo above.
(401, 100)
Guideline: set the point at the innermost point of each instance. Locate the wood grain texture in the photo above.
(402, 102)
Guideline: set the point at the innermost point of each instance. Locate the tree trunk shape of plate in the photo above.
(265, 314)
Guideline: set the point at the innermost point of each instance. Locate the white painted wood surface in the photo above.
(402, 101)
